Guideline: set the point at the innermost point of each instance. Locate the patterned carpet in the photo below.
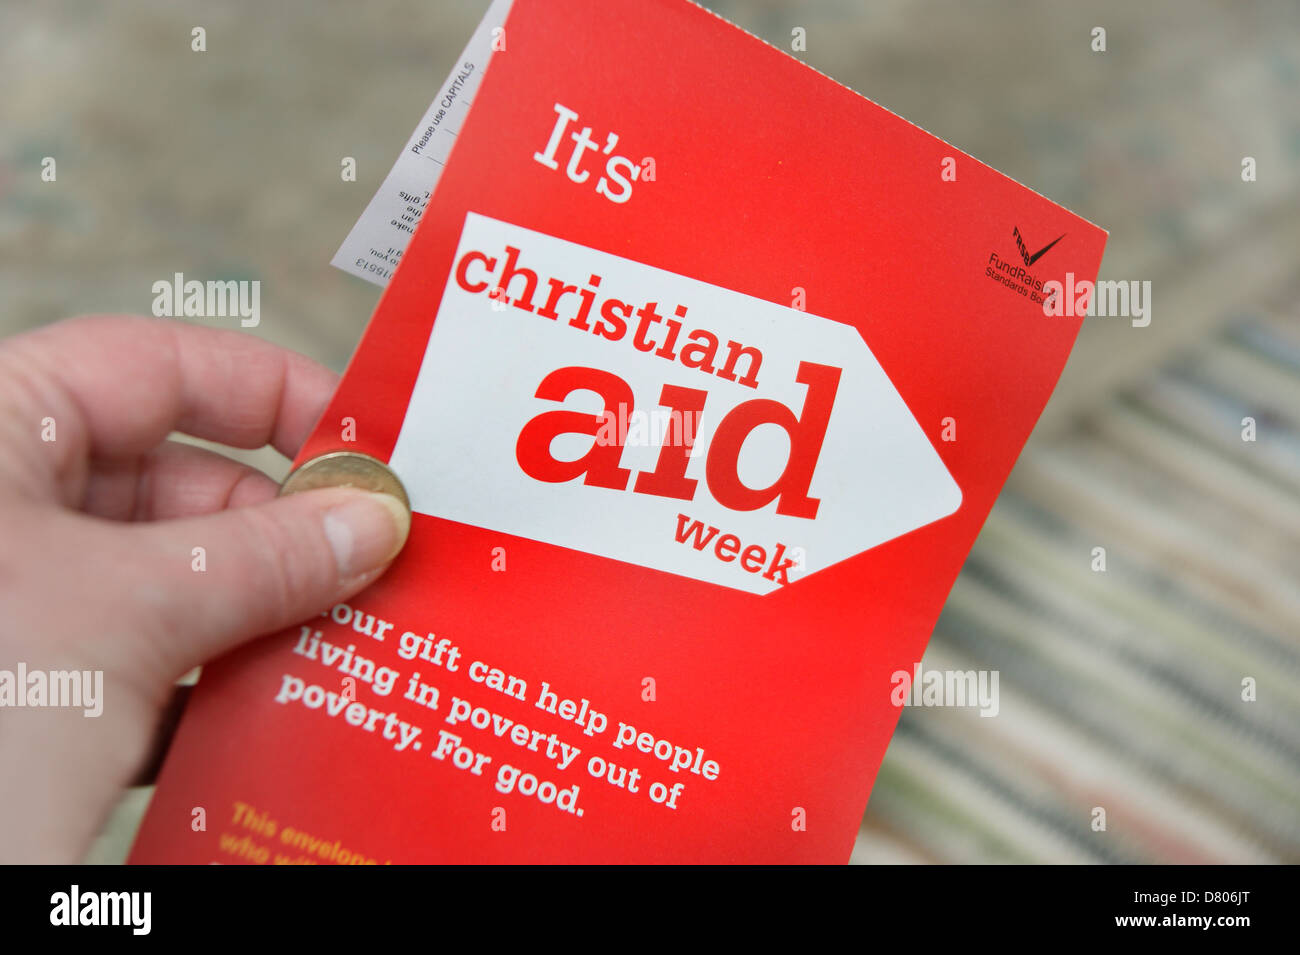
(1123, 689)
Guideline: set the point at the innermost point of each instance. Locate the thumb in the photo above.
(256, 570)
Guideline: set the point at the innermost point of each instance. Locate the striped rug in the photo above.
(1122, 690)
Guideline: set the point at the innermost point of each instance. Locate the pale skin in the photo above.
(97, 535)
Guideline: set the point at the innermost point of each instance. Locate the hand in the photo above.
(98, 530)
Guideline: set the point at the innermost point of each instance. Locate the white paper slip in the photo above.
(377, 241)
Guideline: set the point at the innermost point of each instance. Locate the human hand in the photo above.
(97, 535)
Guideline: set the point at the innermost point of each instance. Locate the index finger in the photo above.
(124, 383)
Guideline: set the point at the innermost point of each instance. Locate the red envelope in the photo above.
(702, 373)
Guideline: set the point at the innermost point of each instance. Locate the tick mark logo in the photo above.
(1024, 249)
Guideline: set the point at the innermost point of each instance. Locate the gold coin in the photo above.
(345, 469)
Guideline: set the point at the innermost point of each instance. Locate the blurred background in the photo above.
(1120, 689)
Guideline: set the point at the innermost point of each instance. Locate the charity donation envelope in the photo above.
(702, 373)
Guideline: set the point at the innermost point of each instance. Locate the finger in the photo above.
(118, 385)
(174, 480)
(201, 586)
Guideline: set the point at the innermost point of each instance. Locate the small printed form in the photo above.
(702, 373)
(376, 243)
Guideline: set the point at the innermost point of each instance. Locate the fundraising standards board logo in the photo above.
(1028, 257)
(783, 432)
